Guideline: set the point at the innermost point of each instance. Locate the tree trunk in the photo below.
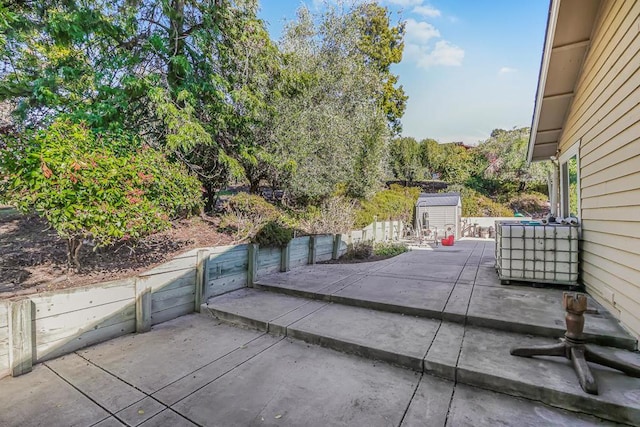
(73, 252)
(211, 198)
(254, 186)
(175, 73)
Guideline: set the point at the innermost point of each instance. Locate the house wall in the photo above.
(604, 120)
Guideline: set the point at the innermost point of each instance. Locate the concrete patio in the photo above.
(423, 340)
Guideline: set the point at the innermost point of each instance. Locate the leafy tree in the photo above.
(477, 204)
(101, 187)
(331, 130)
(396, 203)
(430, 153)
(505, 152)
(453, 162)
(382, 46)
(404, 159)
(167, 71)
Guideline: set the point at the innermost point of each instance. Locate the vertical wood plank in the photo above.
(252, 267)
(202, 271)
(20, 337)
(285, 259)
(337, 240)
(375, 228)
(312, 249)
(143, 307)
(384, 231)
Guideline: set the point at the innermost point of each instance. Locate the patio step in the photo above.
(466, 354)
(480, 301)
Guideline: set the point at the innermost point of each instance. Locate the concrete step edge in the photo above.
(487, 322)
(344, 346)
(578, 402)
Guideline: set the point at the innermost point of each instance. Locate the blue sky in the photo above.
(469, 66)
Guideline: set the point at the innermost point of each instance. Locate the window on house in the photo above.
(570, 187)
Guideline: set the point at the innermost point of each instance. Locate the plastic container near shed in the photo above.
(448, 241)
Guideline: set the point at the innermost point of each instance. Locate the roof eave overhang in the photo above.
(554, 7)
(567, 40)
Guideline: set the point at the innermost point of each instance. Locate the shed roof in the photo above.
(438, 199)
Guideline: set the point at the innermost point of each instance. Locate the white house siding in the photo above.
(604, 119)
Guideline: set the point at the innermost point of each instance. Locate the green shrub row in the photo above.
(396, 203)
(389, 249)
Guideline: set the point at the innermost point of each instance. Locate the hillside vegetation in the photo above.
(125, 116)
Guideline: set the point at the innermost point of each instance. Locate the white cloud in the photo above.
(420, 32)
(426, 11)
(506, 70)
(444, 53)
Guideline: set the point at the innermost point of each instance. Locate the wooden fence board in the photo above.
(227, 267)
(269, 258)
(58, 348)
(66, 300)
(214, 250)
(4, 365)
(4, 317)
(166, 304)
(173, 293)
(171, 313)
(324, 240)
(228, 249)
(173, 265)
(229, 262)
(220, 271)
(299, 256)
(168, 280)
(73, 324)
(300, 241)
(222, 285)
(4, 346)
(300, 251)
(230, 257)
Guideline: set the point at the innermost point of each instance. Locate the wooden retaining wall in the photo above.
(42, 326)
(4, 339)
(227, 270)
(299, 251)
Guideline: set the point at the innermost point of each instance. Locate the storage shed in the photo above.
(439, 211)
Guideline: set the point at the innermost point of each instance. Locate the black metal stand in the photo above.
(574, 348)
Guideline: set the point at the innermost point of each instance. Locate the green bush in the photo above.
(273, 234)
(530, 203)
(246, 214)
(475, 204)
(335, 215)
(358, 250)
(389, 249)
(105, 188)
(397, 203)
